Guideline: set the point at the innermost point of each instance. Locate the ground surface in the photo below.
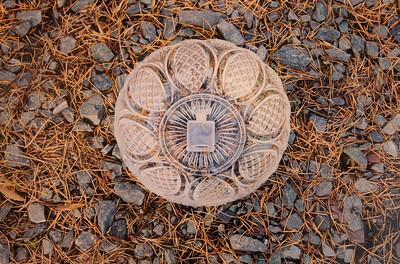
(67, 198)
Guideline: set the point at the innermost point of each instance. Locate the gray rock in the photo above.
(348, 255)
(107, 246)
(69, 115)
(230, 33)
(61, 3)
(190, 228)
(36, 213)
(392, 126)
(370, 3)
(292, 16)
(93, 109)
(299, 204)
(102, 82)
(7, 77)
(9, 4)
(5, 210)
(149, 31)
(328, 34)
(338, 54)
(313, 238)
(293, 57)
(357, 156)
(23, 28)
(24, 79)
(83, 178)
(381, 31)
(323, 222)
(275, 258)
(47, 247)
(105, 211)
(143, 250)
(60, 107)
(85, 240)
(81, 4)
(244, 243)
(372, 49)
(324, 188)
(159, 229)
(384, 64)
(68, 240)
(289, 196)
(293, 221)
(378, 167)
(33, 232)
(391, 148)
(262, 52)
(55, 235)
(357, 43)
(22, 254)
(101, 53)
(319, 122)
(356, 2)
(15, 157)
(119, 229)
(362, 123)
(129, 193)
(4, 254)
(114, 169)
(170, 256)
(206, 19)
(34, 17)
(352, 209)
(344, 43)
(133, 9)
(395, 32)
(320, 12)
(292, 252)
(328, 251)
(67, 44)
(365, 186)
(169, 29)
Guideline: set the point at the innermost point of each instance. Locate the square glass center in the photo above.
(200, 136)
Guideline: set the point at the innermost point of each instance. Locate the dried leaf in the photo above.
(11, 194)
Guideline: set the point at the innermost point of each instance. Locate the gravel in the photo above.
(105, 211)
(292, 252)
(68, 240)
(245, 243)
(113, 169)
(149, 31)
(36, 213)
(102, 82)
(101, 53)
(289, 196)
(93, 109)
(328, 251)
(86, 240)
(293, 57)
(320, 12)
(352, 209)
(392, 126)
(15, 157)
(338, 54)
(230, 33)
(381, 31)
(170, 256)
(294, 221)
(5, 210)
(129, 193)
(34, 17)
(7, 77)
(119, 229)
(56, 236)
(4, 254)
(81, 5)
(47, 247)
(169, 29)
(391, 148)
(365, 186)
(206, 19)
(33, 232)
(143, 250)
(384, 64)
(328, 34)
(324, 188)
(349, 255)
(357, 156)
(357, 43)
(22, 254)
(190, 228)
(372, 49)
(67, 44)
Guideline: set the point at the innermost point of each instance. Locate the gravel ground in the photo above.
(66, 197)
